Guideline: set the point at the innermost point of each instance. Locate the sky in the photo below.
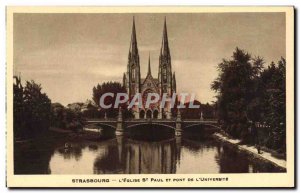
(68, 54)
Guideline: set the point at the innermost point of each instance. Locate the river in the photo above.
(124, 155)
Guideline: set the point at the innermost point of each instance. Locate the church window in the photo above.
(165, 88)
(165, 75)
(133, 73)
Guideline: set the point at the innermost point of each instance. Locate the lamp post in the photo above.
(201, 116)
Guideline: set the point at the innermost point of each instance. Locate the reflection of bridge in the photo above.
(177, 124)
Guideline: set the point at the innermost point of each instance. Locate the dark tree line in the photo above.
(110, 87)
(208, 111)
(66, 118)
(250, 95)
(31, 110)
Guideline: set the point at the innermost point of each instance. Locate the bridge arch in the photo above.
(155, 114)
(149, 114)
(150, 131)
(202, 124)
(101, 125)
(142, 114)
(147, 123)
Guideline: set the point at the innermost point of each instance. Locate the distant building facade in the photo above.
(164, 83)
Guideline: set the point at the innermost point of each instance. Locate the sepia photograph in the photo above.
(150, 97)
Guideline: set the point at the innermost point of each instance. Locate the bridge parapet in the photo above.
(152, 120)
(177, 124)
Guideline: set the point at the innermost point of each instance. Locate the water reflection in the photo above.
(231, 161)
(71, 153)
(35, 160)
(124, 155)
(136, 157)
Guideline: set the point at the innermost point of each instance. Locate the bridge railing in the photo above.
(91, 119)
(147, 120)
(100, 119)
(199, 120)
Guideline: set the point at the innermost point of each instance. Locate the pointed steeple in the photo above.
(133, 75)
(149, 66)
(133, 50)
(124, 80)
(174, 83)
(165, 43)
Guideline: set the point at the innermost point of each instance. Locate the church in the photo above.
(164, 83)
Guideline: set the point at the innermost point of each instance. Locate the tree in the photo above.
(57, 115)
(69, 118)
(18, 113)
(191, 113)
(73, 119)
(37, 108)
(273, 79)
(110, 87)
(208, 111)
(236, 87)
(32, 110)
(249, 93)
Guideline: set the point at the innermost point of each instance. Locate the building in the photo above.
(164, 83)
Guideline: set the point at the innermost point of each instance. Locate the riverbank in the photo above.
(264, 155)
(54, 135)
(80, 135)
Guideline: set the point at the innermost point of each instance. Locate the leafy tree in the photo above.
(73, 120)
(236, 87)
(208, 110)
(18, 111)
(66, 118)
(37, 108)
(57, 112)
(91, 112)
(191, 113)
(249, 93)
(273, 79)
(110, 87)
(32, 110)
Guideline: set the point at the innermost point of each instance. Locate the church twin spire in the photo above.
(132, 80)
(133, 50)
(149, 67)
(165, 83)
(165, 51)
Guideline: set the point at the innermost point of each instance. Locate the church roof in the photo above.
(149, 75)
(155, 80)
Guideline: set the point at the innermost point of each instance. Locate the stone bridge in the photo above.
(176, 124)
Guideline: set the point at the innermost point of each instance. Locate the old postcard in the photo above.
(150, 97)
